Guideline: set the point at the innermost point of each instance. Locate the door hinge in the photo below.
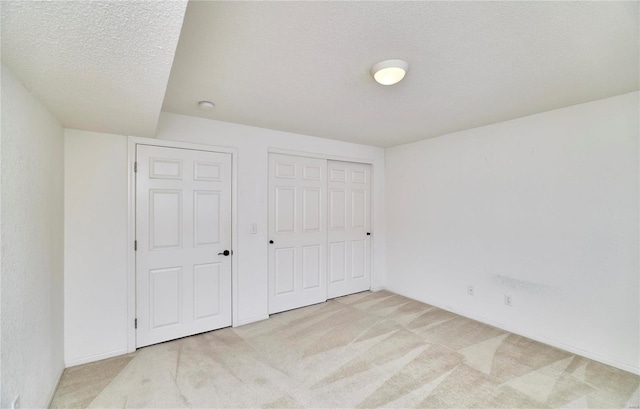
(135, 166)
(135, 323)
(135, 245)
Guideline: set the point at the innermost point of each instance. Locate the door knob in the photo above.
(224, 253)
(270, 241)
(368, 234)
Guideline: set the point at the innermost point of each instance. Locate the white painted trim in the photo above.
(182, 145)
(544, 340)
(131, 270)
(376, 289)
(320, 156)
(252, 320)
(97, 357)
(131, 258)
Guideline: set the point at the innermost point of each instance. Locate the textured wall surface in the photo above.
(542, 208)
(96, 65)
(31, 221)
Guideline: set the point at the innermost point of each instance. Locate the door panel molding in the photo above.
(181, 224)
(297, 232)
(199, 172)
(349, 240)
(346, 204)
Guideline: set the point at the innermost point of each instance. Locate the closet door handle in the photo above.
(224, 253)
(270, 241)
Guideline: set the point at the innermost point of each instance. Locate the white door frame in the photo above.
(371, 193)
(131, 225)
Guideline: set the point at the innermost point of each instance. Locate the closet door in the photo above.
(297, 232)
(349, 230)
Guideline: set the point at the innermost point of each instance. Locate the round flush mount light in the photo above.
(206, 105)
(389, 72)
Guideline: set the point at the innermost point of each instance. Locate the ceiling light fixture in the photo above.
(389, 72)
(206, 105)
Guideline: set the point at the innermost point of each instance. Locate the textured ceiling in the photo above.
(304, 66)
(96, 65)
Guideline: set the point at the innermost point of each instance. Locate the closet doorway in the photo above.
(319, 230)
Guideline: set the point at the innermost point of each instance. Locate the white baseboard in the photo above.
(544, 340)
(245, 321)
(52, 393)
(97, 357)
(376, 289)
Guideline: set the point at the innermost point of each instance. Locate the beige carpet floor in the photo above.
(360, 351)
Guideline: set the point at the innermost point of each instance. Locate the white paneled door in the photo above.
(349, 264)
(183, 234)
(297, 232)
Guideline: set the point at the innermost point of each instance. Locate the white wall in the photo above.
(543, 208)
(31, 221)
(95, 246)
(96, 223)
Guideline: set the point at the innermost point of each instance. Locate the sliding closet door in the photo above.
(297, 232)
(349, 228)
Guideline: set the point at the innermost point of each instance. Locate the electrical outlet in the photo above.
(507, 300)
(16, 402)
(470, 289)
